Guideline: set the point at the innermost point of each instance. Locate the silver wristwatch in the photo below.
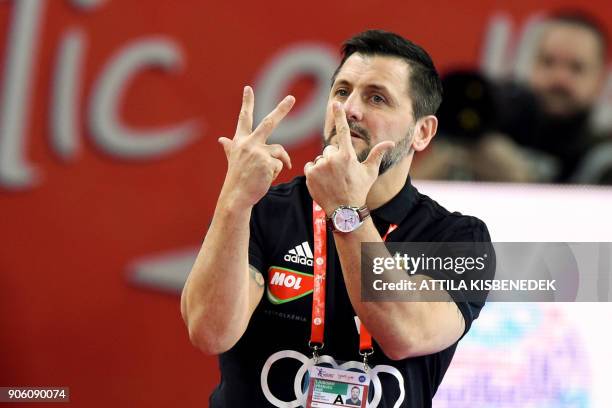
(347, 219)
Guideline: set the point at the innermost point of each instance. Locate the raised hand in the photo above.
(252, 164)
(336, 177)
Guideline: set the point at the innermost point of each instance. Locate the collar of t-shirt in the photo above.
(397, 209)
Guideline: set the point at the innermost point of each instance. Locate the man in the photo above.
(544, 132)
(567, 77)
(380, 111)
(354, 400)
(569, 67)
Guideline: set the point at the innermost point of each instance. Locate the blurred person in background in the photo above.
(539, 131)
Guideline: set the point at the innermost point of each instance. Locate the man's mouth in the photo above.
(356, 135)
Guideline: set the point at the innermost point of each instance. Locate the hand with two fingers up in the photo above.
(252, 164)
(337, 177)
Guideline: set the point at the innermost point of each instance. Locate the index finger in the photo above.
(245, 119)
(269, 123)
(342, 129)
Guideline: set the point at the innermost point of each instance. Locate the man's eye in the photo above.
(546, 61)
(341, 92)
(577, 68)
(378, 99)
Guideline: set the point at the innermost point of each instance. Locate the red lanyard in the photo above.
(318, 295)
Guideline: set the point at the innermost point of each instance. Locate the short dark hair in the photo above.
(424, 81)
(583, 20)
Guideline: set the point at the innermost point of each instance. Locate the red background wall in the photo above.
(68, 315)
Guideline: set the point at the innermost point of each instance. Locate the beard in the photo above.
(558, 102)
(390, 158)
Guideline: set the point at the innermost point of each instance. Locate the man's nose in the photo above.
(353, 107)
(562, 75)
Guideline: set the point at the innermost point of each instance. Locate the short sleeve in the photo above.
(469, 229)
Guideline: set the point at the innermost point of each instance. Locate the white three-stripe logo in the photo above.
(301, 254)
(302, 250)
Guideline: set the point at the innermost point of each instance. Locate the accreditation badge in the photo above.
(333, 388)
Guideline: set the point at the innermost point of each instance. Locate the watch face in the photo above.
(346, 219)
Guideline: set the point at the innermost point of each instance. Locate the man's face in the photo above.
(374, 93)
(355, 394)
(568, 70)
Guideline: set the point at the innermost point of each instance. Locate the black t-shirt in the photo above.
(261, 369)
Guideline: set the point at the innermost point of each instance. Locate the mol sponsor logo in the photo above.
(285, 285)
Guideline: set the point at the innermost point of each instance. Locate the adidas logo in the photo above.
(301, 254)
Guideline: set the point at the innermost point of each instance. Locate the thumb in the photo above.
(377, 153)
(227, 145)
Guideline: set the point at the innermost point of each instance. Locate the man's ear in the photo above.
(424, 130)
